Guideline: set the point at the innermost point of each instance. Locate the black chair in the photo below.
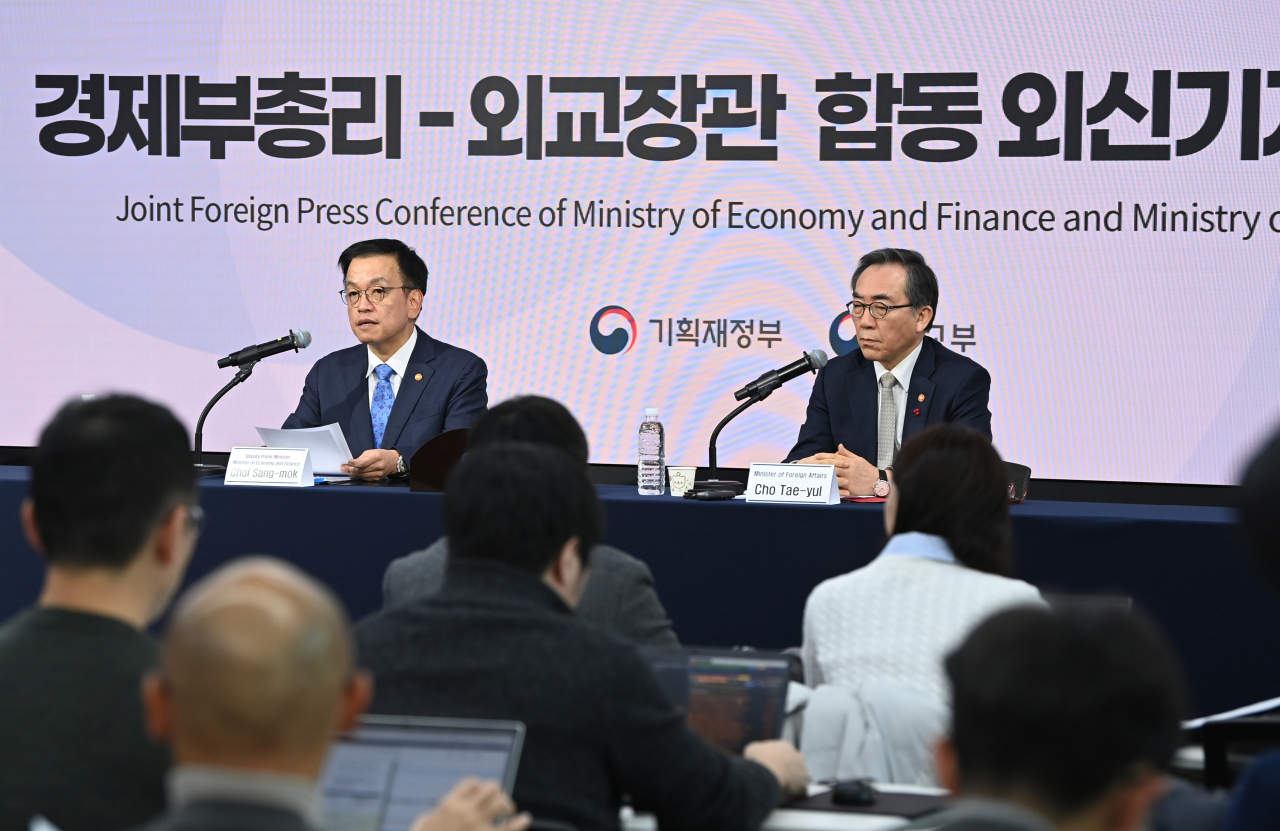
(1019, 481)
(432, 463)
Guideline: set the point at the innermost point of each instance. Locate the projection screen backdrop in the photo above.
(648, 204)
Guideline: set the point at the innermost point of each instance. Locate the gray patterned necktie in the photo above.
(886, 443)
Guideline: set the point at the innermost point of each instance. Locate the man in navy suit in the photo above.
(400, 387)
(867, 403)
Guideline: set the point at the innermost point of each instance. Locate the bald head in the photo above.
(257, 662)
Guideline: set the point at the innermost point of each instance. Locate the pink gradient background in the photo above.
(1139, 357)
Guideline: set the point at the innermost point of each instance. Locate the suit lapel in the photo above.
(424, 352)
(918, 411)
(863, 402)
(359, 426)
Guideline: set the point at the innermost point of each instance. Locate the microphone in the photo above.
(715, 488)
(762, 387)
(300, 339)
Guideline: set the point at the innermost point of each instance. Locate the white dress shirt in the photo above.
(898, 617)
(399, 362)
(902, 373)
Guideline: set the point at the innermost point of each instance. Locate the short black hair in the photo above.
(106, 472)
(951, 482)
(518, 503)
(1256, 503)
(534, 419)
(411, 265)
(922, 283)
(1063, 705)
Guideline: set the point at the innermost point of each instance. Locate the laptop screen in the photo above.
(728, 698)
(383, 774)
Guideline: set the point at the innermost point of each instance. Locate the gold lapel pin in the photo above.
(418, 377)
(921, 398)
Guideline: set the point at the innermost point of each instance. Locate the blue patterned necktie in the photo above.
(383, 398)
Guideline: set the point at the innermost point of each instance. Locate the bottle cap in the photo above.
(651, 411)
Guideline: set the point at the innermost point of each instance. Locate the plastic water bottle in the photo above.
(651, 470)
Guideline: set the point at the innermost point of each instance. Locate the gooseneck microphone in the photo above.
(244, 361)
(300, 339)
(714, 488)
(761, 388)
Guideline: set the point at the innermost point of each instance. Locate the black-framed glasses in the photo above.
(878, 309)
(376, 294)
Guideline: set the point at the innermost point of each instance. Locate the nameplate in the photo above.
(279, 467)
(806, 484)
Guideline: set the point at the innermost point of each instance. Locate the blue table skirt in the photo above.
(732, 573)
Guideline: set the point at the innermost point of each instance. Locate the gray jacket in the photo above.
(979, 814)
(619, 598)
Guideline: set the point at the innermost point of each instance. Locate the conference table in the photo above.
(735, 573)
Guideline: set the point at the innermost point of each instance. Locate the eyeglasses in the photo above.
(377, 294)
(195, 518)
(878, 309)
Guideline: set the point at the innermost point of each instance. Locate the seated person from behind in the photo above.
(619, 597)
(1256, 805)
(1062, 721)
(500, 641)
(400, 387)
(943, 569)
(868, 403)
(112, 509)
(256, 680)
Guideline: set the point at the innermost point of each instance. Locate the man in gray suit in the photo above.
(256, 680)
(620, 596)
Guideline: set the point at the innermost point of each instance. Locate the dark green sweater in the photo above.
(73, 746)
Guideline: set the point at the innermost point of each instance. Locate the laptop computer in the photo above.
(383, 774)
(729, 698)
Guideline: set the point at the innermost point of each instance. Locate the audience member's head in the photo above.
(533, 419)
(949, 481)
(527, 506)
(113, 503)
(257, 671)
(1072, 713)
(1258, 500)
(257, 674)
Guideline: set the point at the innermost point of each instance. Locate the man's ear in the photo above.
(924, 318)
(944, 755)
(355, 699)
(29, 527)
(157, 705)
(166, 536)
(416, 299)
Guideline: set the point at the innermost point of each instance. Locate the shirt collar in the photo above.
(922, 546)
(901, 372)
(204, 783)
(398, 362)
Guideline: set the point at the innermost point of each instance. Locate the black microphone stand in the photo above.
(714, 488)
(212, 470)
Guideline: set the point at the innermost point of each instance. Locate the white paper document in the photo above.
(329, 450)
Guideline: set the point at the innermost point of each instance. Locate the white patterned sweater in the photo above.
(897, 618)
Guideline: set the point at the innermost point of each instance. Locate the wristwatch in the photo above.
(401, 467)
(882, 485)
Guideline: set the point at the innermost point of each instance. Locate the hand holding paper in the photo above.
(329, 450)
(372, 464)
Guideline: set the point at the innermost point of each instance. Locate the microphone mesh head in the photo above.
(818, 358)
(302, 338)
